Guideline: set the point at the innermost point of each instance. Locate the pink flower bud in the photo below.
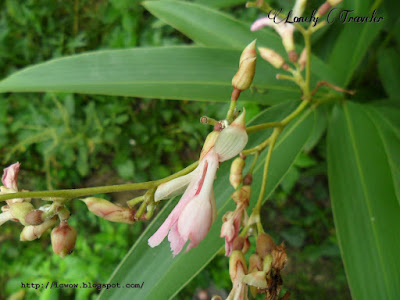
(10, 176)
(63, 238)
(272, 57)
(110, 211)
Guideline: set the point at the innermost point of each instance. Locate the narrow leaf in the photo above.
(212, 28)
(365, 207)
(183, 73)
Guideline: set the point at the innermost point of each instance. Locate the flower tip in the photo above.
(240, 121)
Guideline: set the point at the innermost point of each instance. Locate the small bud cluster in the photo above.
(263, 273)
(37, 221)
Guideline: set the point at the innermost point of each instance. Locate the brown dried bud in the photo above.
(248, 179)
(279, 257)
(63, 238)
(293, 56)
(235, 176)
(265, 244)
(246, 245)
(238, 243)
(34, 217)
(110, 211)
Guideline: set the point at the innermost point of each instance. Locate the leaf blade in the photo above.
(364, 212)
(183, 73)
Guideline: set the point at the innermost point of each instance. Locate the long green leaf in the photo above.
(212, 28)
(365, 207)
(354, 40)
(183, 73)
(164, 276)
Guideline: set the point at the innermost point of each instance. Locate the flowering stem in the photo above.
(259, 127)
(76, 193)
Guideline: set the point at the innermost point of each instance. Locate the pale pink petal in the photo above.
(192, 190)
(10, 175)
(196, 219)
(176, 241)
(260, 23)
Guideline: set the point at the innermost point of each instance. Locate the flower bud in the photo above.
(273, 58)
(232, 139)
(248, 179)
(19, 210)
(265, 244)
(110, 211)
(173, 187)
(34, 217)
(63, 238)
(255, 263)
(238, 243)
(10, 176)
(303, 59)
(246, 245)
(279, 257)
(235, 176)
(242, 196)
(247, 66)
(237, 266)
(30, 233)
(209, 143)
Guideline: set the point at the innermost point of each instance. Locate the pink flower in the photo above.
(192, 217)
(10, 175)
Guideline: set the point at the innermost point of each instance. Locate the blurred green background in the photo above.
(69, 140)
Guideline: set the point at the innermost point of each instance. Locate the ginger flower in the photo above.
(192, 217)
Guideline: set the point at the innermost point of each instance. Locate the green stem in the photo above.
(306, 89)
(259, 127)
(76, 193)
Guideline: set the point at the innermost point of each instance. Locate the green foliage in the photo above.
(72, 140)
